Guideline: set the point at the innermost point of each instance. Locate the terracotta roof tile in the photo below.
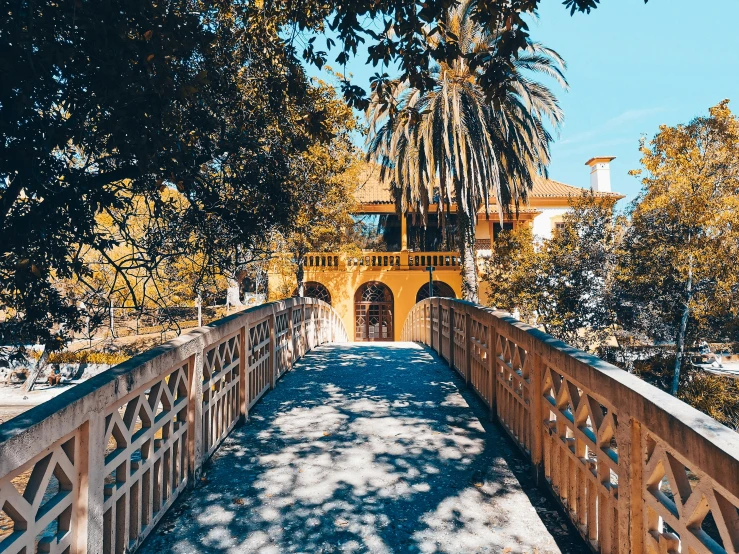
(372, 191)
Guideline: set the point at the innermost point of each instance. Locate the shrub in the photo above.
(87, 357)
(713, 395)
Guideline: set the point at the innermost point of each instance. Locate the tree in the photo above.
(104, 104)
(449, 142)
(576, 269)
(154, 264)
(565, 283)
(511, 273)
(678, 264)
(325, 177)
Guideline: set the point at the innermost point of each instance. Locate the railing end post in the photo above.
(272, 350)
(467, 347)
(244, 373)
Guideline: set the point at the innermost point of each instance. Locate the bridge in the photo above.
(268, 432)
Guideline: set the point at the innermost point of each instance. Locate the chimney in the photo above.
(600, 173)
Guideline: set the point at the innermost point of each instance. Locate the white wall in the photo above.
(543, 222)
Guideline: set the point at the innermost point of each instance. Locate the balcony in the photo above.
(385, 261)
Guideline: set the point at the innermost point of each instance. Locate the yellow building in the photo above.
(374, 291)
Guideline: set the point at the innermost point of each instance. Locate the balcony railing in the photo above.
(382, 260)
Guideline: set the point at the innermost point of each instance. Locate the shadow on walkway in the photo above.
(365, 448)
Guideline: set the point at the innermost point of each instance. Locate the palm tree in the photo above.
(450, 144)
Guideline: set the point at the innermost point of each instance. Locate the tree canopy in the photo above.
(103, 104)
(666, 275)
(325, 178)
(563, 283)
(678, 274)
(415, 36)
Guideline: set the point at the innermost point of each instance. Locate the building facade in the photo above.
(374, 290)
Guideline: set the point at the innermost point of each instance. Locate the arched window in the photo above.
(373, 312)
(440, 289)
(311, 289)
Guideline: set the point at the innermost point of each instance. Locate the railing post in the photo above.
(439, 345)
(492, 339)
(290, 347)
(451, 336)
(430, 327)
(195, 413)
(630, 485)
(91, 485)
(467, 345)
(535, 407)
(272, 350)
(244, 372)
(301, 344)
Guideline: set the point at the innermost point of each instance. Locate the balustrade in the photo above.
(381, 260)
(94, 469)
(420, 260)
(637, 470)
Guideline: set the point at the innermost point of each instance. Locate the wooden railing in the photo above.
(94, 469)
(380, 260)
(636, 469)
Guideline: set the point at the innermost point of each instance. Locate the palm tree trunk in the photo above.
(300, 274)
(466, 223)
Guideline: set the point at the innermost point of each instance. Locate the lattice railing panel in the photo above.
(221, 391)
(581, 456)
(299, 342)
(39, 500)
(445, 349)
(145, 458)
(480, 370)
(514, 388)
(459, 342)
(259, 360)
(686, 510)
(283, 348)
(310, 327)
(434, 327)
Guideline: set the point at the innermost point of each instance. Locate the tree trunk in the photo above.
(682, 330)
(466, 224)
(36, 371)
(300, 274)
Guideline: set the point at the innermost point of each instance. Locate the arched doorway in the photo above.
(373, 312)
(311, 289)
(440, 289)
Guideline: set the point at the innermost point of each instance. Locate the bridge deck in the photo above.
(365, 448)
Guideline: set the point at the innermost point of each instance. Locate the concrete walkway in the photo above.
(365, 448)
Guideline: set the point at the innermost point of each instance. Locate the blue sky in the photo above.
(631, 68)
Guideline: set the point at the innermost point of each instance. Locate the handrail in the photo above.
(636, 469)
(94, 469)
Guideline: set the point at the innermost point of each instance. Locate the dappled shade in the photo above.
(361, 448)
